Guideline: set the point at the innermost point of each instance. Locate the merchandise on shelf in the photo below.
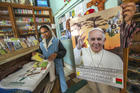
(41, 12)
(3, 11)
(24, 19)
(43, 20)
(6, 30)
(5, 23)
(23, 11)
(25, 23)
(27, 27)
(12, 44)
(2, 48)
(137, 8)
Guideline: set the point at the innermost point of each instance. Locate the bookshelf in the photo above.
(132, 59)
(137, 17)
(23, 20)
(133, 73)
(5, 21)
(20, 21)
(42, 16)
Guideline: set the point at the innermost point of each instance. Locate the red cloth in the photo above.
(89, 11)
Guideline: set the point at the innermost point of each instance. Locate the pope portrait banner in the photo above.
(96, 45)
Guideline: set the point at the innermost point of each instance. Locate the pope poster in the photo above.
(96, 46)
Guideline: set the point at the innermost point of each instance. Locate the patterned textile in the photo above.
(127, 33)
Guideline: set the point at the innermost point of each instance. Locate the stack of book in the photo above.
(23, 11)
(13, 44)
(43, 20)
(42, 12)
(39, 61)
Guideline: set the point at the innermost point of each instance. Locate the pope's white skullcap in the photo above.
(97, 28)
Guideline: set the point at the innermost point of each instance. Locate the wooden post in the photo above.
(125, 68)
(13, 21)
(35, 23)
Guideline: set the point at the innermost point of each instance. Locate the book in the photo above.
(17, 45)
(2, 51)
(4, 46)
(23, 44)
(10, 46)
(27, 43)
(37, 57)
(36, 42)
(42, 64)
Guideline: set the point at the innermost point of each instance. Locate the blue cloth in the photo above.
(68, 34)
(58, 62)
(13, 91)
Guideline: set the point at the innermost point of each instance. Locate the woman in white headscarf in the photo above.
(53, 50)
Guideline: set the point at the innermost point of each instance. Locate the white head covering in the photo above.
(53, 35)
(97, 29)
(50, 41)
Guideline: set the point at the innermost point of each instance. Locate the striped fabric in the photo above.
(127, 32)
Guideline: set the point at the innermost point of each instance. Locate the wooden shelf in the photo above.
(41, 15)
(134, 71)
(13, 17)
(4, 18)
(3, 8)
(2, 35)
(28, 34)
(16, 54)
(23, 23)
(137, 20)
(26, 31)
(4, 15)
(131, 58)
(5, 26)
(23, 15)
(41, 8)
(135, 82)
(38, 23)
(6, 34)
(137, 15)
(18, 58)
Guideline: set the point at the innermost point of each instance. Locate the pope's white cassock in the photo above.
(103, 58)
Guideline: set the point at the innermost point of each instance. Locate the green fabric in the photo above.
(118, 82)
(76, 86)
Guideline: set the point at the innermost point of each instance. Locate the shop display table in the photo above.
(23, 80)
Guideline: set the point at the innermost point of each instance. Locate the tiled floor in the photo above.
(70, 79)
(67, 71)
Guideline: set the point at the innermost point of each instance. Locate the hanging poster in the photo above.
(96, 46)
(79, 10)
(67, 15)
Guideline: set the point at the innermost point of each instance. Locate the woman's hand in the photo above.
(33, 53)
(52, 57)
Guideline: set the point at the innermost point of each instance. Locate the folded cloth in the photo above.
(18, 81)
(52, 72)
